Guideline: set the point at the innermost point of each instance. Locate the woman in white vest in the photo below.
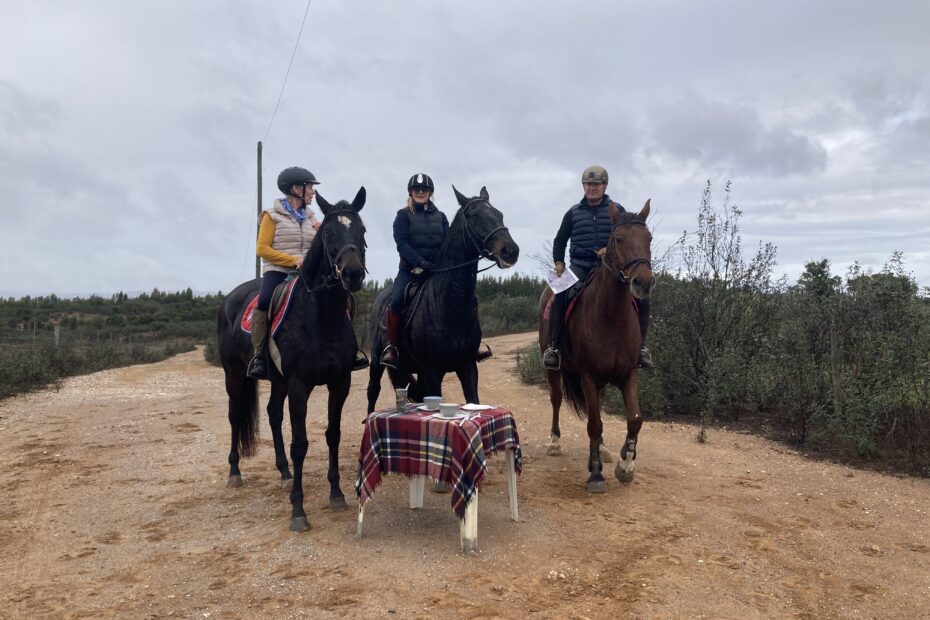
(284, 235)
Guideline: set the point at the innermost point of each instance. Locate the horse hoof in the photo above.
(441, 487)
(234, 482)
(605, 455)
(287, 485)
(338, 503)
(300, 524)
(553, 450)
(597, 486)
(623, 475)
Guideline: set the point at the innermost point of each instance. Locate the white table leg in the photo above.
(468, 527)
(361, 517)
(417, 484)
(512, 485)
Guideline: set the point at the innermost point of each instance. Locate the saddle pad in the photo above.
(280, 311)
(571, 305)
(568, 311)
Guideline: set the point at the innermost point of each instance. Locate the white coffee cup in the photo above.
(448, 410)
(431, 402)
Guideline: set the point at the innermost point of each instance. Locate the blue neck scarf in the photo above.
(298, 214)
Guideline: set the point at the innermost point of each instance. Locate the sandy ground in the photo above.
(115, 505)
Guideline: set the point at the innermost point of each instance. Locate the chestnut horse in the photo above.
(603, 342)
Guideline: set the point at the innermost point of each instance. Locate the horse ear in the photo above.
(458, 196)
(614, 213)
(359, 201)
(645, 212)
(483, 193)
(325, 207)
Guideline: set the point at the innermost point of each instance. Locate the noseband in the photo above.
(469, 237)
(335, 271)
(482, 249)
(620, 274)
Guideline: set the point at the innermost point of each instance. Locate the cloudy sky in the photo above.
(128, 130)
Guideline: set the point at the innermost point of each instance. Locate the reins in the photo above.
(467, 236)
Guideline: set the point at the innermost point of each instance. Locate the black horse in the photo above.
(441, 332)
(317, 346)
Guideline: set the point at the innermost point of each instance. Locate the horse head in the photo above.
(485, 230)
(342, 233)
(629, 252)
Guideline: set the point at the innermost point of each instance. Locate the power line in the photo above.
(294, 53)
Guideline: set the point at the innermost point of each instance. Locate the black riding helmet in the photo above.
(295, 176)
(420, 180)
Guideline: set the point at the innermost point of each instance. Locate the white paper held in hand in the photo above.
(559, 283)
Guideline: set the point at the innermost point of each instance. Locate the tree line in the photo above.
(836, 363)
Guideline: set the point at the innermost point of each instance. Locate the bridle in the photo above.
(620, 273)
(469, 237)
(334, 277)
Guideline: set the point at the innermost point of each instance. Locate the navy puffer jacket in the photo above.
(419, 234)
(588, 228)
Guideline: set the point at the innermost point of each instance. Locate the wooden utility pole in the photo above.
(258, 262)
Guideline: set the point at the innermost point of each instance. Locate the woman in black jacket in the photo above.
(419, 230)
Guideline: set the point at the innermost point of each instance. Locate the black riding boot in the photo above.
(258, 367)
(643, 308)
(552, 359)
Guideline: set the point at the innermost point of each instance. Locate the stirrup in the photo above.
(257, 369)
(645, 359)
(390, 351)
(555, 364)
(361, 361)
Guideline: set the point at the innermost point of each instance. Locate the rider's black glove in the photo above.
(426, 265)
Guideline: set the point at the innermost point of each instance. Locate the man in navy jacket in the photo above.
(587, 225)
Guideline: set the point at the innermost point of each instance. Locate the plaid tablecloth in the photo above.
(418, 443)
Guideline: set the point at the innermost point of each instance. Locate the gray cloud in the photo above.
(135, 124)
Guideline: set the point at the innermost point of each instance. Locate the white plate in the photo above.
(474, 407)
(457, 416)
(425, 408)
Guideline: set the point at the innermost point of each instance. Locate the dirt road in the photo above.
(115, 505)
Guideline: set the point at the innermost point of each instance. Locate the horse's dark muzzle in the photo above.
(507, 252)
(352, 277)
(641, 286)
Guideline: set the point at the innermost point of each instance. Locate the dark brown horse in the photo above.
(317, 346)
(603, 342)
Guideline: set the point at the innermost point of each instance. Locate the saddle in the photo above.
(412, 297)
(280, 304)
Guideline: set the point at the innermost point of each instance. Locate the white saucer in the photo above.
(425, 408)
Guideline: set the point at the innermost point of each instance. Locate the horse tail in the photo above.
(245, 411)
(571, 386)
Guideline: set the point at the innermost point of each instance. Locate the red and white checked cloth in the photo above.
(419, 443)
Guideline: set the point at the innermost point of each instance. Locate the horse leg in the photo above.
(338, 392)
(234, 382)
(468, 377)
(275, 419)
(634, 420)
(297, 395)
(554, 379)
(375, 372)
(596, 482)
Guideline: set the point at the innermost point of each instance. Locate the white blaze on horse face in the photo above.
(345, 221)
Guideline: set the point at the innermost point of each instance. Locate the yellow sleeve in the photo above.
(263, 246)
